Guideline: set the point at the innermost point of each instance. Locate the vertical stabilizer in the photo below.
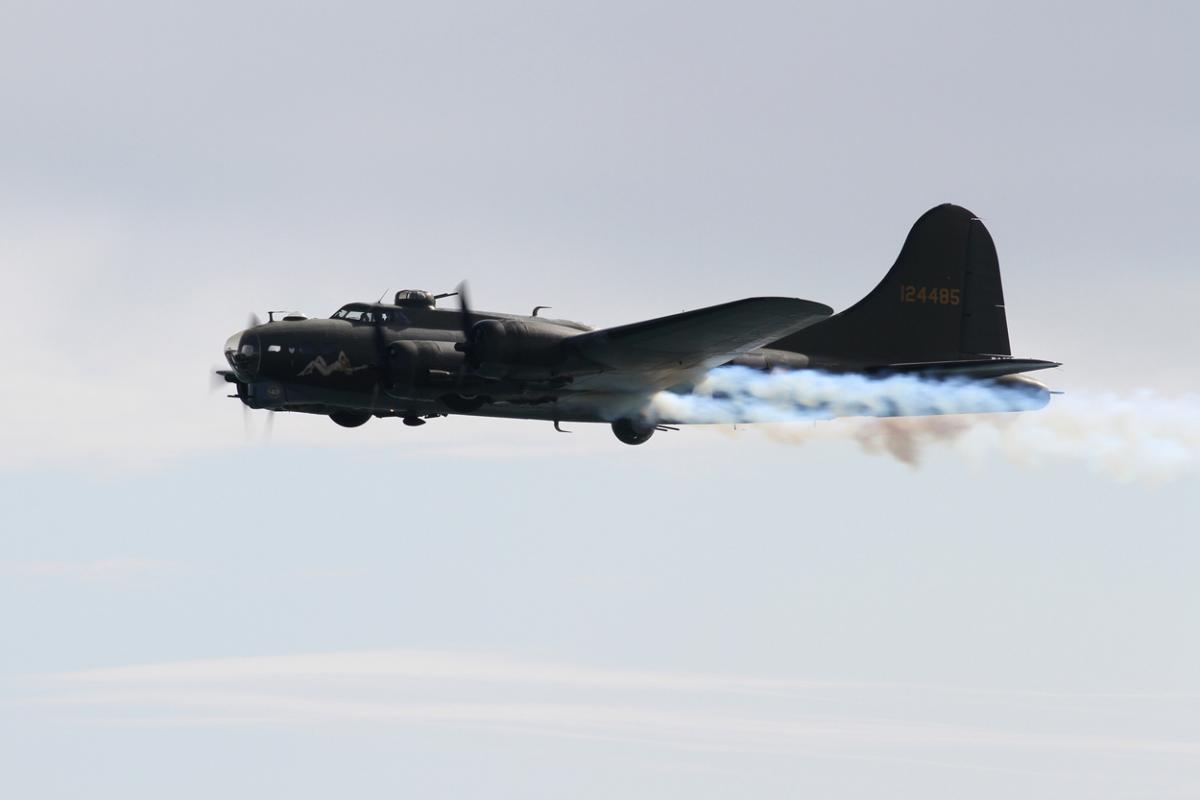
(941, 301)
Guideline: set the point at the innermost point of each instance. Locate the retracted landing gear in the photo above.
(632, 432)
(350, 419)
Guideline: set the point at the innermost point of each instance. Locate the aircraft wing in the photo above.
(664, 351)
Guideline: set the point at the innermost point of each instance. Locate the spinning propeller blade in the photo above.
(467, 318)
(267, 429)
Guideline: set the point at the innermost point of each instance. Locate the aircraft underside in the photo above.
(634, 416)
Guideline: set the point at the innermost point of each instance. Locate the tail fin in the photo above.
(941, 301)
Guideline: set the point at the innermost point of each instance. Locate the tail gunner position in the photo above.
(938, 313)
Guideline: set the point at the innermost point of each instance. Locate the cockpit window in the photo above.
(366, 315)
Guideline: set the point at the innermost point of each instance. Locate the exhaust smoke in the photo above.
(1136, 437)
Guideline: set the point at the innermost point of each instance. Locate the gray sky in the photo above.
(486, 608)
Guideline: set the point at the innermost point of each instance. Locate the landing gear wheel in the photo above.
(350, 419)
(631, 432)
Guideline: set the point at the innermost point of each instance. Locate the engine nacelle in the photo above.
(513, 348)
(415, 363)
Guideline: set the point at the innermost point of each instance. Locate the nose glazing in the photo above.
(243, 354)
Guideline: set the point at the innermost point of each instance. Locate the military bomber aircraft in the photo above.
(939, 312)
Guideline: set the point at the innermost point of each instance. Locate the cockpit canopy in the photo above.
(366, 312)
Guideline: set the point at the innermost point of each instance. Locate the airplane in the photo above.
(938, 313)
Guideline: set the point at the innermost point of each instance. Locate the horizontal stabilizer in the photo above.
(980, 368)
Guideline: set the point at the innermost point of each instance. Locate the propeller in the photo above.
(379, 325)
(217, 376)
(267, 429)
(466, 320)
(217, 380)
(464, 303)
(220, 377)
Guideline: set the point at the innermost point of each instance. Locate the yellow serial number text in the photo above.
(929, 294)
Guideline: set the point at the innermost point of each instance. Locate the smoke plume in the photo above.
(1136, 437)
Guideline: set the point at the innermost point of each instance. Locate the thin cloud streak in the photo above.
(496, 692)
(709, 730)
(446, 665)
(94, 570)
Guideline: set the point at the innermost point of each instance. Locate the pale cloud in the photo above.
(675, 710)
(96, 569)
(453, 665)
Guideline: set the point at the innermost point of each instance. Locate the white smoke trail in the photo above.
(1137, 437)
(740, 394)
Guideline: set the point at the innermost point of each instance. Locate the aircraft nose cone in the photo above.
(243, 354)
